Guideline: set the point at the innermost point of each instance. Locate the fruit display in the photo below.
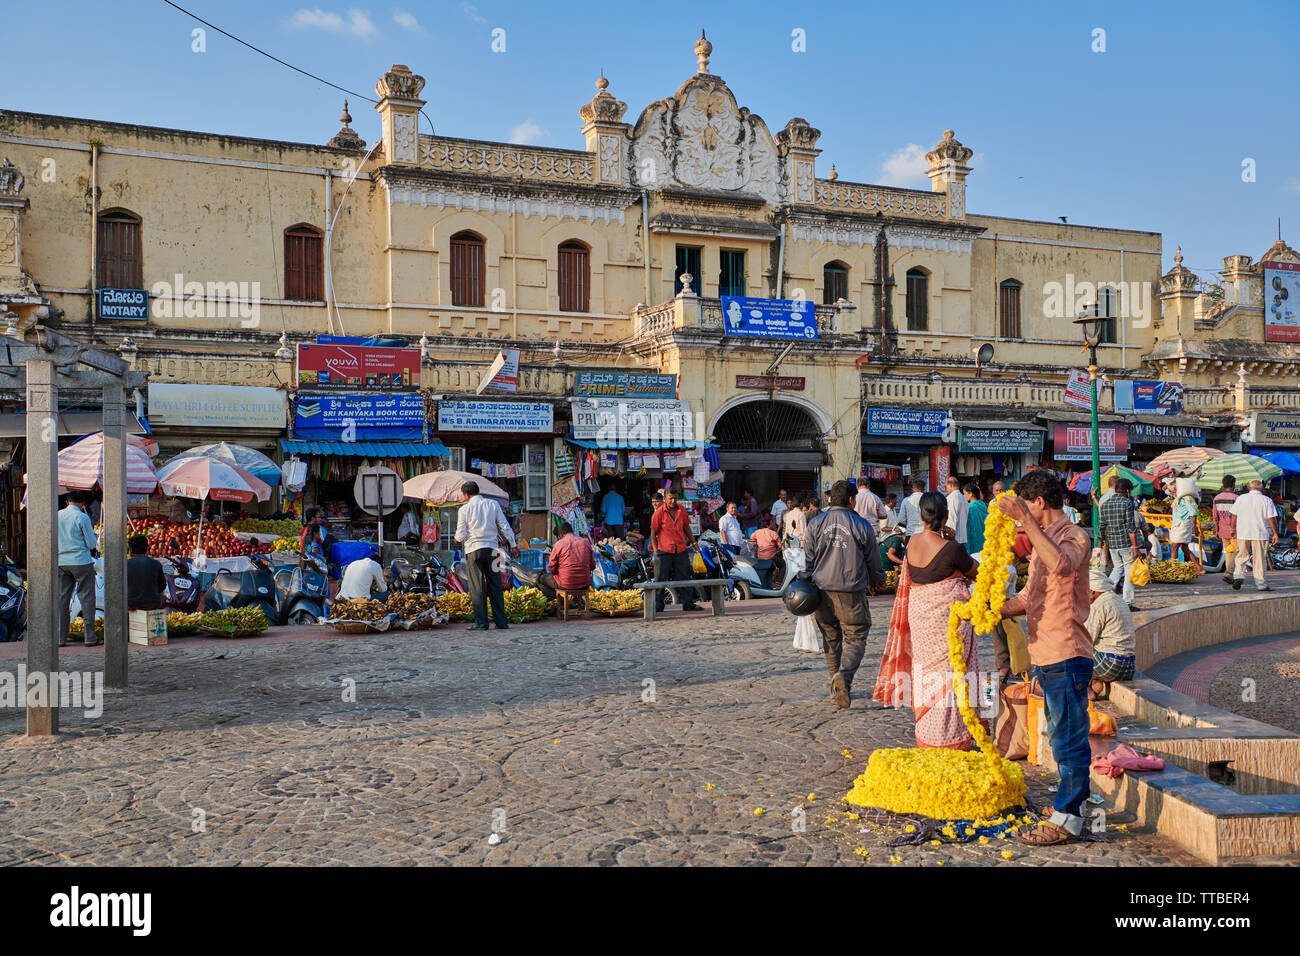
(180, 624)
(218, 540)
(1157, 508)
(1173, 572)
(524, 604)
(616, 603)
(891, 582)
(233, 621)
(280, 527)
(78, 627)
(285, 544)
(456, 605)
(359, 609)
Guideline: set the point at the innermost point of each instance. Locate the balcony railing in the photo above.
(695, 312)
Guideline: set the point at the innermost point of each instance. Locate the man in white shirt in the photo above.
(480, 526)
(779, 507)
(958, 510)
(868, 504)
(1254, 513)
(729, 527)
(361, 577)
(909, 515)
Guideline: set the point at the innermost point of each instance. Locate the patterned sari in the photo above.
(915, 665)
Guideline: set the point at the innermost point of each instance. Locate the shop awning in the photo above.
(14, 424)
(365, 449)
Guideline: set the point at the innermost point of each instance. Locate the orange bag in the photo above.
(1100, 723)
(1035, 718)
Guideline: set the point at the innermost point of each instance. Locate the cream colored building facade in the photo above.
(919, 282)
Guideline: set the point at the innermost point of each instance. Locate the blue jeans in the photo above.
(1065, 705)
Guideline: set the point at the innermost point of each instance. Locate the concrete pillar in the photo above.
(42, 541)
(114, 512)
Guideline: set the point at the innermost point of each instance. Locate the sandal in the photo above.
(1045, 834)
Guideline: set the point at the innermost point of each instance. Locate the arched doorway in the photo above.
(767, 445)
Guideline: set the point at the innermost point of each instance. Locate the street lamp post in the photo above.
(1089, 322)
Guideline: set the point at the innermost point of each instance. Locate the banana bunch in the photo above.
(891, 580)
(1173, 572)
(234, 619)
(359, 609)
(408, 606)
(456, 605)
(615, 602)
(78, 627)
(180, 623)
(524, 604)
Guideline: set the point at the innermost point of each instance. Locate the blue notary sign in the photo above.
(769, 318)
(124, 304)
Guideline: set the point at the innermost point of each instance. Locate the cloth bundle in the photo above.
(1124, 758)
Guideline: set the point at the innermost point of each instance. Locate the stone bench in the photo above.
(717, 588)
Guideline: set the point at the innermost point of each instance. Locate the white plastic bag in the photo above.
(807, 635)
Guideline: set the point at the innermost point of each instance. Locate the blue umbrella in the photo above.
(246, 458)
(1288, 461)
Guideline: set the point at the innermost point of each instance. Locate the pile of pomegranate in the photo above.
(218, 540)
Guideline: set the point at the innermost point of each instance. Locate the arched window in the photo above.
(575, 277)
(1108, 308)
(1009, 309)
(467, 269)
(835, 282)
(304, 264)
(918, 300)
(118, 264)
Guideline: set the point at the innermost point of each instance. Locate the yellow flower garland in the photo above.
(953, 784)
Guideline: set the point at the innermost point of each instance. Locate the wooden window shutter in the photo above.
(575, 278)
(466, 270)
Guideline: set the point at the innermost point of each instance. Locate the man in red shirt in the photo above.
(670, 537)
(1225, 522)
(571, 561)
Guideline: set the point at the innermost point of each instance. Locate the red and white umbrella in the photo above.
(211, 478)
(81, 465)
(443, 487)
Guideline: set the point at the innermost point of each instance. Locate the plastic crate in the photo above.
(533, 558)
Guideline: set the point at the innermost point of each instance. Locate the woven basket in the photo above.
(351, 627)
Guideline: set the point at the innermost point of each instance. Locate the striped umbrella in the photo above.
(1183, 461)
(249, 459)
(211, 478)
(81, 464)
(1244, 468)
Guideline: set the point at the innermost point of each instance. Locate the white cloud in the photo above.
(471, 11)
(354, 22)
(906, 167)
(1293, 185)
(407, 21)
(526, 133)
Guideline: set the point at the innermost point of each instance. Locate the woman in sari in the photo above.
(935, 573)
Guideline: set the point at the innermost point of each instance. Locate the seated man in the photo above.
(571, 561)
(768, 543)
(146, 585)
(361, 577)
(1111, 626)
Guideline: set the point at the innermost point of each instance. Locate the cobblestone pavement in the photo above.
(248, 752)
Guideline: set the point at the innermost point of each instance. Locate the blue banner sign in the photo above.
(360, 340)
(905, 423)
(130, 304)
(1172, 435)
(1153, 398)
(769, 318)
(532, 417)
(619, 384)
(395, 417)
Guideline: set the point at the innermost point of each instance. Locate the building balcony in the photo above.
(692, 312)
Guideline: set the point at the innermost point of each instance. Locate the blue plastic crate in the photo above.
(533, 558)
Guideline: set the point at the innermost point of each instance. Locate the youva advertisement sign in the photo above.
(358, 367)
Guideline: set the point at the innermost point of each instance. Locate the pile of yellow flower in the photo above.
(954, 784)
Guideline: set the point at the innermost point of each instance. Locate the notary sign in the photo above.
(130, 304)
(769, 318)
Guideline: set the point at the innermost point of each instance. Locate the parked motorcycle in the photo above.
(433, 577)
(252, 588)
(302, 593)
(613, 572)
(13, 603)
(716, 559)
(754, 577)
(182, 586)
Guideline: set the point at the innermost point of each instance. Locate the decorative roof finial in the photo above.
(1178, 256)
(345, 117)
(346, 138)
(833, 173)
(703, 50)
(602, 84)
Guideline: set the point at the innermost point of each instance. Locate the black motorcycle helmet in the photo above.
(802, 597)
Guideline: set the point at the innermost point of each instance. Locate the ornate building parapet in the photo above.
(607, 135)
(399, 108)
(948, 172)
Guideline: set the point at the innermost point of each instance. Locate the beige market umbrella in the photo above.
(1183, 461)
(443, 488)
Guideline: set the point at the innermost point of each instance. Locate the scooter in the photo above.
(618, 573)
(432, 578)
(750, 576)
(252, 588)
(13, 603)
(302, 593)
(182, 586)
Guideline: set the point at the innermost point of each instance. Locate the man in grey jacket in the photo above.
(845, 562)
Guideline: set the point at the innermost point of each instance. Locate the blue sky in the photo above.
(1150, 134)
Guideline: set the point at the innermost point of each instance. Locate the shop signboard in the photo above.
(397, 417)
(486, 416)
(1149, 398)
(633, 423)
(216, 406)
(1074, 442)
(1270, 428)
(359, 340)
(769, 318)
(358, 367)
(130, 304)
(1006, 441)
(940, 467)
(617, 383)
(503, 374)
(1175, 436)
(1078, 389)
(1281, 301)
(905, 423)
(782, 383)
